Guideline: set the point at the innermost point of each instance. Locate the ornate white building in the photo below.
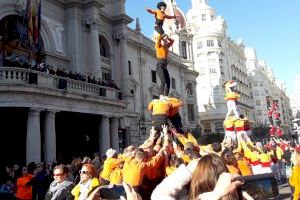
(217, 59)
(264, 84)
(295, 100)
(48, 116)
(203, 40)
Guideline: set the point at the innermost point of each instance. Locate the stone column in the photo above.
(104, 136)
(124, 64)
(94, 44)
(33, 137)
(114, 135)
(49, 137)
(73, 29)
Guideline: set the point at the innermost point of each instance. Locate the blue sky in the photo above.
(270, 26)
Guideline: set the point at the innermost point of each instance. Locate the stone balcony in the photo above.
(22, 86)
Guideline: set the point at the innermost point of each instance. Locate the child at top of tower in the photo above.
(160, 16)
(231, 96)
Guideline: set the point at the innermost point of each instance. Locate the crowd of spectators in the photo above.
(168, 165)
(16, 61)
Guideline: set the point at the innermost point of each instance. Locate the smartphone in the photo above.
(112, 192)
(259, 186)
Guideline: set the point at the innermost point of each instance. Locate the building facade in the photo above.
(265, 84)
(50, 116)
(217, 58)
(295, 100)
(203, 40)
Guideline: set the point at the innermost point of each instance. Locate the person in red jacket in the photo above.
(24, 189)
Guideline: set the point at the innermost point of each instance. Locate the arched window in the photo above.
(189, 90)
(184, 49)
(104, 47)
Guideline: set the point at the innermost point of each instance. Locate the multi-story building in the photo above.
(48, 116)
(217, 58)
(295, 99)
(264, 84)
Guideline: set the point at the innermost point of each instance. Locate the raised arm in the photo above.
(170, 17)
(150, 10)
(171, 41)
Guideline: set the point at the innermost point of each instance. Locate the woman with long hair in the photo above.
(206, 175)
(205, 178)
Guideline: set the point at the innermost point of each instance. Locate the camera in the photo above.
(112, 192)
(259, 186)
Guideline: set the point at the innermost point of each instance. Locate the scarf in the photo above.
(84, 189)
(57, 188)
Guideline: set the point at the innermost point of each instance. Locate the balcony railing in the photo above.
(20, 76)
(105, 60)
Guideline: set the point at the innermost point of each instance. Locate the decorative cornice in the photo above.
(92, 21)
(122, 19)
(97, 3)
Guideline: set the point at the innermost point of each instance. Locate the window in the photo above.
(183, 49)
(129, 67)
(189, 89)
(210, 43)
(106, 75)
(222, 70)
(173, 82)
(199, 45)
(207, 128)
(153, 76)
(191, 113)
(258, 102)
(259, 113)
(203, 17)
(212, 70)
(103, 50)
(219, 43)
(216, 92)
(219, 127)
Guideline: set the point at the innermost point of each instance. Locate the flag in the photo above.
(32, 20)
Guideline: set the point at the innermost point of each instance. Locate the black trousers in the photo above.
(162, 72)
(176, 121)
(159, 26)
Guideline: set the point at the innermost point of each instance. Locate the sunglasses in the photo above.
(83, 172)
(57, 174)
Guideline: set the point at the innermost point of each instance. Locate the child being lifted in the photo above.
(160, 16)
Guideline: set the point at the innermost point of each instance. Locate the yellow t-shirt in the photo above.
(109, 165)
(189, 138)
(116, 177)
